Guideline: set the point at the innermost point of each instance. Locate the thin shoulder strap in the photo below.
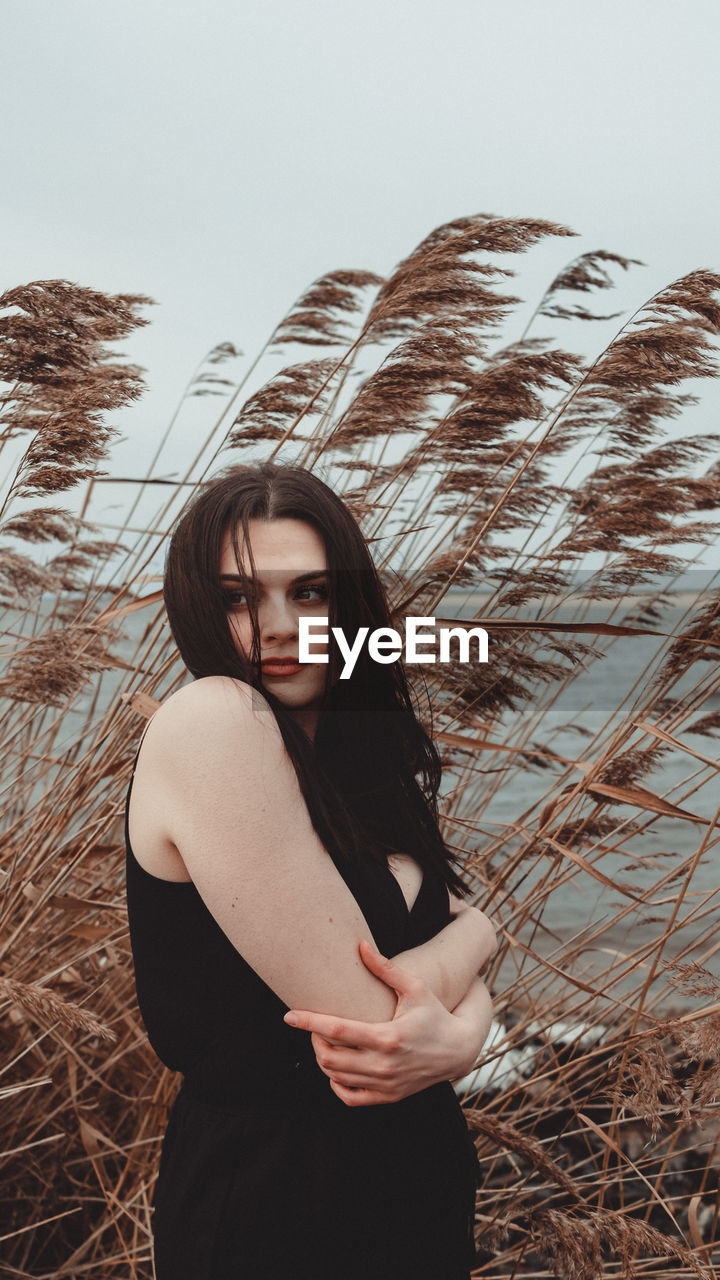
(130, 785)
(139, 745)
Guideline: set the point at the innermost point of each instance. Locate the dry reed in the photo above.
(487, 466)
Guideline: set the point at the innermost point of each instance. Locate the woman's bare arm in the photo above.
(372, 1063)
(426, 1041)
(227, 798)
(475, 1010)
(215, 764)
(450, 962)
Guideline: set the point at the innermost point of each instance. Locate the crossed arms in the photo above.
(226, 797)
(369, 1063)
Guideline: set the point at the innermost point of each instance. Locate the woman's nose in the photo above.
(277, 619)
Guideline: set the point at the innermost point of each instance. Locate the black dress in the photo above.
(264, 1173)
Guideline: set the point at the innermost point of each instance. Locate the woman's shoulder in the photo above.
(210, 697)
(210, 710)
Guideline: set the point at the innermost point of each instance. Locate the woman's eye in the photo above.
(314, 593)
(235, 599)
(305, 595)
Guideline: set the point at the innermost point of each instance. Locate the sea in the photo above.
(617, 685)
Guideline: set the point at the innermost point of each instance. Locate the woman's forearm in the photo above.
(475, 1011)
(450, 961)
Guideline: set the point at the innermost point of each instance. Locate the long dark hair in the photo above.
(360, 776)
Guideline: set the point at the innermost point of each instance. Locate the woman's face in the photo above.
(291, 582)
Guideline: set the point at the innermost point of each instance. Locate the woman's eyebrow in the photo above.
(302, 577)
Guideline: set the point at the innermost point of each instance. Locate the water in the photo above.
(594, 696)
(616, 686)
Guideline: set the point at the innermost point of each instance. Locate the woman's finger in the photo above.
(368, 1065)
(381, 1049)
(360, 1097)
(359, 1080)
(343, 1031)
(331, 1055)
(321, 1043)
(331, 1059)
(391, 974)
(381, 1080)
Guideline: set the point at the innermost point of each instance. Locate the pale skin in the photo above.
(216, 800)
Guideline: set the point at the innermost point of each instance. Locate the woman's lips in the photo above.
(281, 667)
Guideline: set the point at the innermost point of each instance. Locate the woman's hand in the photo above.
(369, 1063)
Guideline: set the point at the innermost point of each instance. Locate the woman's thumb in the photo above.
(390, 973)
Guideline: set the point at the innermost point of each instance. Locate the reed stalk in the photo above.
(508, 481)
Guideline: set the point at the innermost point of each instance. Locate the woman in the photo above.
(276, 830)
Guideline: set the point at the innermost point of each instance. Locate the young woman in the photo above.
(282, 841)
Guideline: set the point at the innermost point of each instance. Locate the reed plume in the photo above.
(502, 479)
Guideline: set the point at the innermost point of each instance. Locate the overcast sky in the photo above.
(220, 156)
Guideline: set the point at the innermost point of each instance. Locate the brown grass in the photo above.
(486, 461)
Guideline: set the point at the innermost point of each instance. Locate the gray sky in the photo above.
(221, 156)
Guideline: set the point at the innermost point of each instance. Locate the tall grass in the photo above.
(499, 476)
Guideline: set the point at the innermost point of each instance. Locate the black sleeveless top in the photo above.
(264, 1172)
